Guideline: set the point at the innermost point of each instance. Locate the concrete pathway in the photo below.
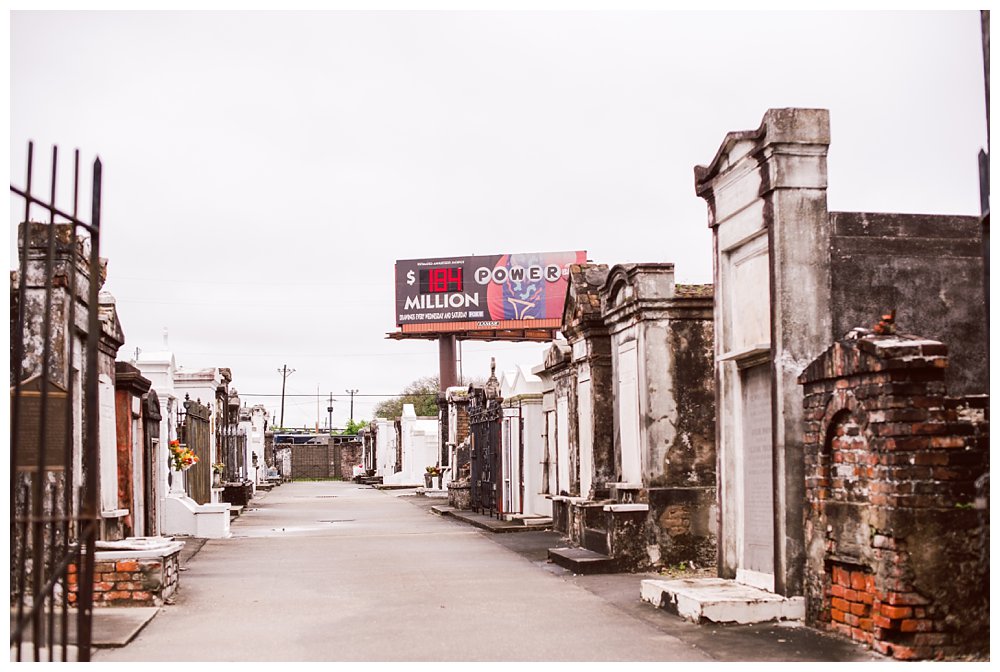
(332, 571)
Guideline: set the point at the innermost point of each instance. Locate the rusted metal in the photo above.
(51, 534)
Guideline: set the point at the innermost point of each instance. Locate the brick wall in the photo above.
(896, 549)
(310, 461)
(135, 582)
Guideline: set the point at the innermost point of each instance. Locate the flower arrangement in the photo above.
(887, 325)
(433, 470)
(181, 457)
(218, 467)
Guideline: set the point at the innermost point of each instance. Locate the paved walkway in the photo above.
(332, 571)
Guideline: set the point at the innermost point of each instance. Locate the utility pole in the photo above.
(329, 410)
(285, 372)
(352, 393)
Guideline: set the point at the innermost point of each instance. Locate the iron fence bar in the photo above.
(89, 510)
(32, 200)
(51, 613)
(22, 554)
(68, 474)
(38, 479)
(18, 371)
(40, 530)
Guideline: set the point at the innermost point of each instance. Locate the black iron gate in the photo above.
(485, 414)
(231, 446)
(195, 433)
(54, 430)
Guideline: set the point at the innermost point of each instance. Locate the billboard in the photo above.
(483, 292)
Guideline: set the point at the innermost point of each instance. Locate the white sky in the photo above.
(262, 171)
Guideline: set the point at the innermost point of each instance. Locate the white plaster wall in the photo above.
(385, 449)
(562, 446)
(535, 502)
(108, 445)
(201, 386)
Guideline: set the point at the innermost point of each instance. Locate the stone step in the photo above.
(234, 511)
(720, 601)
(537, 521)
(582, 561)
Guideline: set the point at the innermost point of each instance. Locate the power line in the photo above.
(345, 396)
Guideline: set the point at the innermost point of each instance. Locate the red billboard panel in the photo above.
(483, 292)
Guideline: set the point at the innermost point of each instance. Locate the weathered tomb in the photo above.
(896, 528)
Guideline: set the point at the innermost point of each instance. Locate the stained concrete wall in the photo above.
(790, 277)
(766, 196)
(929, 269)
(590, 355)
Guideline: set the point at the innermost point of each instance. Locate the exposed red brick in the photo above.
(837, 591)
(140, 596)
(947, 442)
(127, 566)
(841, 576)
(115, 576)
(881, 621)
(931, 459)
(906, 598)
(896, 613)
(836, 615)
(916, 625)
(858, 580)
(128, 585)
(841, 604)
(860, 635)
(858, 608)
(900, 652)
(866, 624)
(883, 647)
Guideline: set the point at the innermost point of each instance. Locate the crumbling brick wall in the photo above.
(130, 582)
(350, 457)
(896, 549)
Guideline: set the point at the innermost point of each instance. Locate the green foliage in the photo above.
(422, 393)
(354, 426)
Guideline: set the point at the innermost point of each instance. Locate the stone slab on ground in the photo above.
(110, 627)
(486, 522)
(442, 509)
(117, 626)
(538, 522)
(720, 601)
(431, 492)
(582, 560)
(394, 486)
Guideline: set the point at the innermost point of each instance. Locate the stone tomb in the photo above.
(896, 543)
(789, 274)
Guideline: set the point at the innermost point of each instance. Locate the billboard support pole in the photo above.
(448, 371)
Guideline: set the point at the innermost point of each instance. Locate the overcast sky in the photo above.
(263, 171)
